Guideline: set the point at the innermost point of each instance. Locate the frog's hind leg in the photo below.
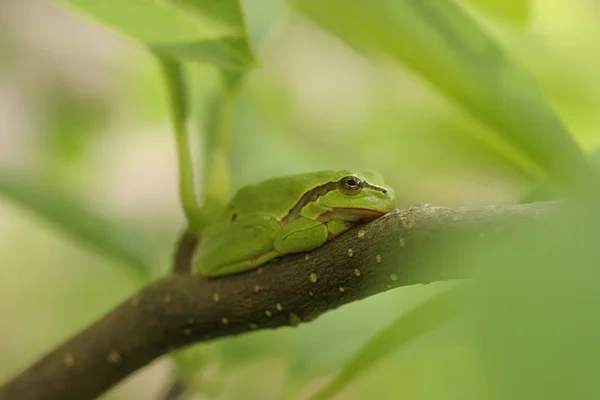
(238, 246)
(247, 264)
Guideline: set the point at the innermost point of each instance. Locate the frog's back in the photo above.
(276, 196)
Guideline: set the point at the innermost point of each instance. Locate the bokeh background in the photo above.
(84, 110)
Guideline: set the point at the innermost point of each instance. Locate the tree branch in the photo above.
(181, 309)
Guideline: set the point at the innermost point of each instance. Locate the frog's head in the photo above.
(358, 197)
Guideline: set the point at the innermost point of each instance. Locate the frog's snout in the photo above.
(387, 201)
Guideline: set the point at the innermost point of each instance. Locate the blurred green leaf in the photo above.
(52, 203)
(415, 323)
(543, 191)
(71, 125)
(536, 311)
(232, 53)
(196, 30)
(441, 42)
(514, 11)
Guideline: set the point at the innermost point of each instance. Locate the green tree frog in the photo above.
(288, 215)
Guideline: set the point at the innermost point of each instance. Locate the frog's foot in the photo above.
(262, 258)
(245, 265)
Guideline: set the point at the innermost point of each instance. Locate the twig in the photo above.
(181, 309)
(182, 263)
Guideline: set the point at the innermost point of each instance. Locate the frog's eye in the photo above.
(350, 185)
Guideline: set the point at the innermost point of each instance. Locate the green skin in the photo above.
(289, 215)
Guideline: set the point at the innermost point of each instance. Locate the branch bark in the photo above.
(181, 309)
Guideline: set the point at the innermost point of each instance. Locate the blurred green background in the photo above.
(83, 111)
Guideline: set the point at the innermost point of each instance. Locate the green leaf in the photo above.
(514, 11)
(56, 206)
(415, 323)
(543, 191)
(536, 322)
(444, 45)
(198, 30)
(230, 53)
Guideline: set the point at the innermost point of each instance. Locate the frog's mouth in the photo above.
(351, 214)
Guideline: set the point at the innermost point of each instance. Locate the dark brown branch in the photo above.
(182, 264)
(179, 309)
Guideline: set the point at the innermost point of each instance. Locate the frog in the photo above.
(289, 214)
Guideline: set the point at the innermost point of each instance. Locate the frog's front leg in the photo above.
(302, 234)
(336, 227)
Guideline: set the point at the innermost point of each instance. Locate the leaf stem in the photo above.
(175, 80)
(218, 177)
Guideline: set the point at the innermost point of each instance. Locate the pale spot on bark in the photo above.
(114, 358)
(69, 360)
